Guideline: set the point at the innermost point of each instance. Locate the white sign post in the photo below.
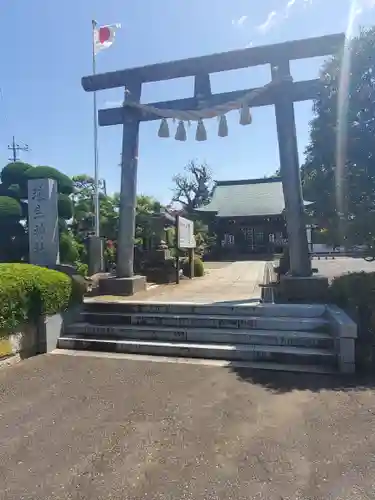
(186, 240)
(185, 233)
(43, 222)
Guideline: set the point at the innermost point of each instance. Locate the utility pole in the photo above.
(15, 148)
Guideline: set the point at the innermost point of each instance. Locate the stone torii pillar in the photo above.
(126, 282)
(282, 97)
(290, 172)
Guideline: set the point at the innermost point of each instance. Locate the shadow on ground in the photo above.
(240, 258)
(282, 382)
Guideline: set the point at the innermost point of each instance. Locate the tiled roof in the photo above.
(255, 197)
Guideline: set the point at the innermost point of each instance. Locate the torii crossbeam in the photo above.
(282, 95)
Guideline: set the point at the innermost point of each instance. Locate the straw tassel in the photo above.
(163, 129)
(201, 134)
(180, 132)
(223, 126)
(245, 116)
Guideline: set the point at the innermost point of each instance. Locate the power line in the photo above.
(15, 148)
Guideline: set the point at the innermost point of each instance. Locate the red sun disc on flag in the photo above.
(104, 34)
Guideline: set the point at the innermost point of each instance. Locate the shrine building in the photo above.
(247, 217)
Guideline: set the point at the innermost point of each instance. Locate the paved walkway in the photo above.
(342, 265)
(93, 428)
(237, 282)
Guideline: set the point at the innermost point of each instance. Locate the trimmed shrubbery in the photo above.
(28, 291)
(65, 184)
(355, 293)
(198, 267)
(353, 290)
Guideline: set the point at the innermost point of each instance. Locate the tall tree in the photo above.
(350, 189)
(83, 220)
(83, 199)
(147, 205)
(193, 188)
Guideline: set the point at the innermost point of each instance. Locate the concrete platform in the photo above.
(233, 282)
(122, 286)
(98, 427)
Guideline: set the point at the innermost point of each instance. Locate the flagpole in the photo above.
(96, 155)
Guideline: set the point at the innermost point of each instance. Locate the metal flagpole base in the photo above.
(96, 255)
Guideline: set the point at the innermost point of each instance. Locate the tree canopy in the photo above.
(344, 127)
(76, 209)
(193, 188)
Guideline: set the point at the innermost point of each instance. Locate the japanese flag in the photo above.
(104, 36)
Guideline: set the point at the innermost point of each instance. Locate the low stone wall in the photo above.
(25, 342)
(344, 331)
(33, 339)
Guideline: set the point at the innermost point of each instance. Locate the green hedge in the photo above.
(28, 291)
(353, 290)
(198, 267)
(65, 184)
(355, 293)
(14, 173)
(65, 206)
(10, 208)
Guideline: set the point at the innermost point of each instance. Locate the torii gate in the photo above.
(282, 92)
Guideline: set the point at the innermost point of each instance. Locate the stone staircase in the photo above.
(291, 337)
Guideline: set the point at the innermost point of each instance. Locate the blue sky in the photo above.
(46, 50)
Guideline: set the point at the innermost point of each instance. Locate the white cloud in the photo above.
(296, 3)
(240, 21)
(268, 23)
(290, 4)
(276, 17)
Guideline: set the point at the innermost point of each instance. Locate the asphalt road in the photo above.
(86, 428)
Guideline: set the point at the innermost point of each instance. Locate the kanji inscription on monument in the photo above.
(43, 222)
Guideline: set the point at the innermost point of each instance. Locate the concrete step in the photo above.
(237, 309)
(204, 335)
(248, 365)
(232, 352)
(212, 321)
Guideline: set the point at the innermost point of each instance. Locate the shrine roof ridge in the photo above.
(243, 182)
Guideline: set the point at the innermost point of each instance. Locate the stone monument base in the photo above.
(122, 286)
(95, 251)
(303, 289)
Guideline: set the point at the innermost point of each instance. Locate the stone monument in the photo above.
(43, 222)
